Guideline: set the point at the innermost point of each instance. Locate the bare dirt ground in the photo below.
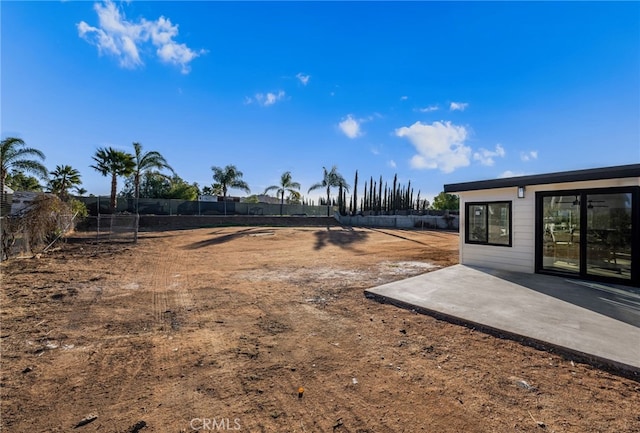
(216, 329)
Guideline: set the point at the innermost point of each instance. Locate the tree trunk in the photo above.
(3, 196)
(281, 201)
(136, 194)
(114, 188)
(328, 202)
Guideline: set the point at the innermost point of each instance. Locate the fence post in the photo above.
(135, 232)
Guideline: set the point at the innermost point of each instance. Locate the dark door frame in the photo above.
(582, 193)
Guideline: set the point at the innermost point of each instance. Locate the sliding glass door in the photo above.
(592, 234)
(561, 233)
(609, 235)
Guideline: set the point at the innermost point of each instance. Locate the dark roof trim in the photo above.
(617, 172)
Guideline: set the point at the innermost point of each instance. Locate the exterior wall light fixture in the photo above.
(521, 192)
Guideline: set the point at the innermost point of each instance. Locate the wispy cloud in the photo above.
(428, 109)
(304, 79)
(458, 106)
(124, 39)
(528, 156)
(486, 156)
(392, 163)
(509, 173)
(404, 98)
(439, 145)
(265, 99)
(350, 127)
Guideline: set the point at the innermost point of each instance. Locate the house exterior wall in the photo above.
(520, 257)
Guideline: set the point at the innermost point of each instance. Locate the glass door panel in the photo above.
(561, 233)
(608, 251)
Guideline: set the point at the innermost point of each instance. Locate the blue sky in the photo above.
(435, 92)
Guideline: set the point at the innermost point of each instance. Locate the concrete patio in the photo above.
(593, 322)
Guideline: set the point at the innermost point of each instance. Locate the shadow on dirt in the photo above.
(223, 238)
(344, 238)
(399, 236)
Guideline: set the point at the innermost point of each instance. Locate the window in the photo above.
(488, 223)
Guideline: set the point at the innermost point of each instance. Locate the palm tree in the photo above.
(14, 155)
(294, 197)
(18, 181)
(145, 162)
(229, 177)
(286, 185)
(110, 161)
(214, 189)
(64, 177)
(331, 179)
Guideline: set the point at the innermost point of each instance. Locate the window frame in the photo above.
(467, 207)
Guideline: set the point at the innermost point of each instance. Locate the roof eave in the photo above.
(616, 172)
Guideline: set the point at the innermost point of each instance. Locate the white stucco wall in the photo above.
(520, 257)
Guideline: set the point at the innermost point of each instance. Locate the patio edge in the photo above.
(615, 367)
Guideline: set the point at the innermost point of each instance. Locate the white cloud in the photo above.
(304, 79)
(392, 164)
(350, 127)
(439, 145)
(486, 156)
(404, 98)
(124, 39)
(429, 109)
(510, 173)
(528, 156)
(458, 106)
(266, 99)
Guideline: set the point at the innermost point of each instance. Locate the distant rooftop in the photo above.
(615, 172)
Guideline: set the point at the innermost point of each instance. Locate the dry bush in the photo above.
(44, 221)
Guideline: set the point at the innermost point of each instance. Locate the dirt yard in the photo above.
(216, 329)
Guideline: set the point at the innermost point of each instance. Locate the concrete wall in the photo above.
(520, 257)
(401, 221)
(160, 222)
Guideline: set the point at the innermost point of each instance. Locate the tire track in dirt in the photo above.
(173, 311)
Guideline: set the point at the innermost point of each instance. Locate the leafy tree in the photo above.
(110, 161)
(331, 179)
(78, 208)
(444, 201)
(144, 162)
(18, 181)
(63, 178)
(152, 185)
(182, 190)
(286, 185)
(157, 185)
(251, 199)
(14, 155)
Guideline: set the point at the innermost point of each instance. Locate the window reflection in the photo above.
(561, 241)
(609, 235)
